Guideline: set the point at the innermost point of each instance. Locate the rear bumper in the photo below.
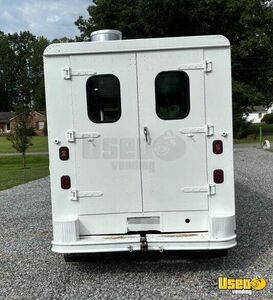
(155, 242)
(221, 235)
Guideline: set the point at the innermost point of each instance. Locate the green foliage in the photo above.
(267, 129)
(140, 18)
(243, 94)
(7, 81)
(240, 126)
(62, 40)
(45, 129)
(20, 137)
(248, 24)
(38, 95)
(21, 70)
(268, 118)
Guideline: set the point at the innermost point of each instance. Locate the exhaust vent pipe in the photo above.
(106, 35)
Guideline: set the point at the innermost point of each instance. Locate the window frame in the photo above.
(187, 95)
(119, 98)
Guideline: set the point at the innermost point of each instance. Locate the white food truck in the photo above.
(140, 144)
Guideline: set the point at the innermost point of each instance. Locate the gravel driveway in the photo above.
(29, 270)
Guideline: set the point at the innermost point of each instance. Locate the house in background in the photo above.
(8, 122)
(256, 113)
(5, 118)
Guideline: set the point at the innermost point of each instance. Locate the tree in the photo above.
(7, 80)
(21, 70)
(28, 66)
(248, 24)
(37, 74)
(21, 135)
(63, 40)
(268, 118)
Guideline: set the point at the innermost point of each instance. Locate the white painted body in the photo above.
(120, 184)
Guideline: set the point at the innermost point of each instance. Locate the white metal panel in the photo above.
(166, 222)
(103, 224)
(106, 197)
(179, 160)
(189, 42)
(59, 118)
(99, 160)
(219, 112)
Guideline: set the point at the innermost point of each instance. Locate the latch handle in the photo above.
(146, 134)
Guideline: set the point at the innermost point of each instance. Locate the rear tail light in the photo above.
(217, 147)
(64, 153)
(65, 182)
(218, 176)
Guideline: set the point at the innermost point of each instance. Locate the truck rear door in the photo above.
(173, 130)
(106, 132)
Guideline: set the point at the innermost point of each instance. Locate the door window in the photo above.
(172, 93)
(103, 98)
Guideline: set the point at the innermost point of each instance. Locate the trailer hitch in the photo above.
(143, 243)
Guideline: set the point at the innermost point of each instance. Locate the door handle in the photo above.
(146, 134)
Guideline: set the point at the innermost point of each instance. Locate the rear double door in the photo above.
(131, 113)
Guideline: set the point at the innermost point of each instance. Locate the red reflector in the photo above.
(217, 147)
(218, 176)
(65, 182)
(64, 153)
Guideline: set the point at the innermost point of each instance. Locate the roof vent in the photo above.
(106, 35)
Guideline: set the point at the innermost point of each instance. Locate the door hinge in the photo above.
(68, 74)
(208, 130)
(75, 195)
(72, 136)
(210, 189)
(206, 66)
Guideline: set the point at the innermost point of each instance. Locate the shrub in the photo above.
(240, 126)
(267, 129)
(268, 118)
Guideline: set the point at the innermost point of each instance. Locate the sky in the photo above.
(50, 18)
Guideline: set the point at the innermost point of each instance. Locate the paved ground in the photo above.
(28, 269)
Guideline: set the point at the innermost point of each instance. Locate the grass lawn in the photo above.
(250, 140)
(12, 174)
(39, 145)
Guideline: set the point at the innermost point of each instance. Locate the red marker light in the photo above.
(64, 153)
(65, 182)
(217, 147)
(218, 176)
